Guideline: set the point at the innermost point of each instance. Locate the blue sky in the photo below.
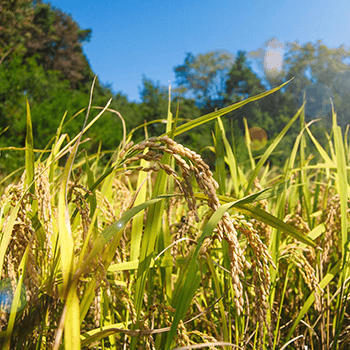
(132, 38)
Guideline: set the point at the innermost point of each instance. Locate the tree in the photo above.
(203, 77)
(56, 42)
(52, 73)
(271, 113)
(155, 102)
(315, 62)
(16, 22)
(154, 106)
(321, 74)
(242, 82)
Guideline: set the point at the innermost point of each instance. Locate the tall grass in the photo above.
(153, 250)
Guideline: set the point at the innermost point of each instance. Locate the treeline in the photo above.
(41, 60)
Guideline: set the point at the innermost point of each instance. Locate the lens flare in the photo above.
(273, 58)
(318, 100)
(258, 138)
(341, 83)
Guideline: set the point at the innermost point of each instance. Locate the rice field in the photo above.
(156, 250)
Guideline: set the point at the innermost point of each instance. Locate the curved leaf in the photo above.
(116, 229)
(208, 117)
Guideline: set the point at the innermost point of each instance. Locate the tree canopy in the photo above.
(42, 60)
(204, 77)
(56, 41)
(16, 23)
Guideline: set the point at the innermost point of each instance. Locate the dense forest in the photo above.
(42, 61)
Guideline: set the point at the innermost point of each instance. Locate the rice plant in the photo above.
(152, 249)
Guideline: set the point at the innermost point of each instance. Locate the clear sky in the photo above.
(132, 38)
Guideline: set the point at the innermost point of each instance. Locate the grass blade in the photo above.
(232, 162)
(270, 149)
(152, 230)
(137, 223)
(310, 300)
(72, 322)
(115, 229)
(248, 143)
(211, 116)
(220, 171)
(29, 153)
(16, 301)
(244, 206)
(188, 282)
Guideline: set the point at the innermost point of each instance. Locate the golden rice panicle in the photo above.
(263, 228)
(300, 260)
(44, 208)
(23, 234)
(208, 185)
(332, 219)
(192, 164)
(178, 152)
(96, 308)
(309, 276)
(237, 259)
(295, 254)
(180, 229)
(261, 259)
(296, 220)
(126, 149)
(182, 338)
(76, 195)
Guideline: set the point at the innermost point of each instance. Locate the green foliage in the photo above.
(326, 67)
(51, 71)
(56, 42)
(204, 76)
(16, 22)
(64, 228)
(94, 280)
(154, 107)
(242, 82)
